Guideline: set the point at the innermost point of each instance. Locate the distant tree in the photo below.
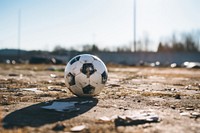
(160, 47)
(123, 48)
(164, 47)
(106, 50)
(59, 50)
(90, 48)
(190, 44)
(178, 47)
(94, 48)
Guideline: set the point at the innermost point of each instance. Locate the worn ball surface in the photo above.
(85, 75)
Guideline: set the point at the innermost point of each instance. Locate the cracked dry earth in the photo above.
(173, 94)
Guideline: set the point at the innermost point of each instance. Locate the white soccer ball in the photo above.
(85, 75)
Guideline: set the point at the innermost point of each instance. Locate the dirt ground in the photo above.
(173, 94)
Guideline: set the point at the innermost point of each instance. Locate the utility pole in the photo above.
(19, 32)
(134, 24)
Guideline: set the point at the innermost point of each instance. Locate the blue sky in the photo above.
(107, 23)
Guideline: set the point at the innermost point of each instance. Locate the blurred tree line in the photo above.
(185, 42)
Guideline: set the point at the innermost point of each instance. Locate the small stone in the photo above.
(6, 109)
(177, 96)
(59, 127)
(173, 89)
(185, 114)
(13, 74)
(53, 75)
(136, 119)
(114, 85)
(121, 107)
(19, 94)
(189, 108)
(4, 96)
(156, 104)
(78, 128)
(104, 119)
(188, 87)
(118, 93)
(173, 107)
(195, 114)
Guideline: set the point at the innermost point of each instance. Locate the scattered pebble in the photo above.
(188, 87)
(173, 65)
(177, 96)
(54, 88)
(3, 89)
(32, 89)
(185, 114)
(7, 109)
(172, 106)
(114, 85)
(189, 108)
(191, 114)
(156, 104)
(136, 119)
(197, 84)
(78, 128)
(53, 75)
(19, 94)
(13, 74)
(4, 96)
(104, 119)
(59, 127)
(173, 89)
(195, 114)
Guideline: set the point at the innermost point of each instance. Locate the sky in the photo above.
(45, 24)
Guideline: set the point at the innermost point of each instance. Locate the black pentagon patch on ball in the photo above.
(71, 79)
(88, 69)
(75, 59)
(104, 77)
(88, 89)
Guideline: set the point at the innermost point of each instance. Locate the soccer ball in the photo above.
(85, 75)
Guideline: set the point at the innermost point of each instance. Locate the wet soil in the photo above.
(171, 93)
